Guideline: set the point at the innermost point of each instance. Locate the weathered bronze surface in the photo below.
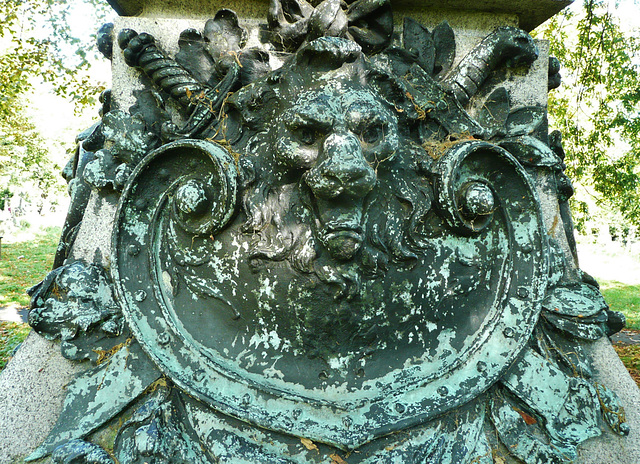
(337, 254)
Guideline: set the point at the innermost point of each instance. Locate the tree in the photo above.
(598, 106)
(37, 42)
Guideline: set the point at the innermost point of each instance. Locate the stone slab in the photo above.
(530, 13)
(187, 9)
(627, 337)
(93, 243)
(13, 313)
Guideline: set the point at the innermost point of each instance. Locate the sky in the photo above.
(628, 11)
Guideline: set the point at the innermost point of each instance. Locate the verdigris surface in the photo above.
(327, 247)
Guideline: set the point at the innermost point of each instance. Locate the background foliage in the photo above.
(38, 43)
(597, 108)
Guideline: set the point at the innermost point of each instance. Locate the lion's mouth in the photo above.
(339, 226)
(343, 242)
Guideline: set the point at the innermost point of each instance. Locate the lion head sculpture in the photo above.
(320, 142)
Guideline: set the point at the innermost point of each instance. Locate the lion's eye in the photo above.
(307, 135)
(372, 134)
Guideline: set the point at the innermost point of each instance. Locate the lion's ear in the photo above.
(327, 54)
(255, 65)
(392, 89)
(249, 111)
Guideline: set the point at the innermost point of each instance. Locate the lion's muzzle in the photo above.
(341, 169)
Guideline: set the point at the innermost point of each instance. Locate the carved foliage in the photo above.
(75, 304)
(158, 432)
(80, 452)
(96, 397)
(367, 22)
(126, 141)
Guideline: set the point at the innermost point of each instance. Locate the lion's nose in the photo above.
(341, 169)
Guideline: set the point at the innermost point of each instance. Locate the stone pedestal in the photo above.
(321, 233)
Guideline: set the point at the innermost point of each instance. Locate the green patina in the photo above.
(372, 278)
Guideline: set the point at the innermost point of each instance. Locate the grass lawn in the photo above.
(24, 264)
(624, 298)
(11, 335)
(630, 356)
